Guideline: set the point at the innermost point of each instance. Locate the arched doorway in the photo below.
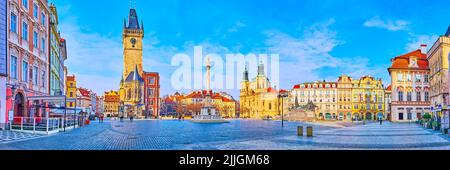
(356, 116)
(19, 105)
(349, 116)
(328, 116)
(369, 116)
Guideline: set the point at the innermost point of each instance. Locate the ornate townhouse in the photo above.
(410, 86)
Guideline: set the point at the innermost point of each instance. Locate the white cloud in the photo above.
(95, 59)
(301, 57)
(392, 25)
(237, 25)
(416, 40)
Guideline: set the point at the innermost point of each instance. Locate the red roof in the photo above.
(402, 61)
(70, 78)
(202, 94)
(84, 92)
(319, 85)
(389, 88)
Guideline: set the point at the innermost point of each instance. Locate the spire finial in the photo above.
(132, 4)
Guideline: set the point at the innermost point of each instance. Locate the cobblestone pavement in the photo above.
(237, 135)
(155, 135)
(389, 136)
(10, 136)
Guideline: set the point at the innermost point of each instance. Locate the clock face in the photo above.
(133, 41)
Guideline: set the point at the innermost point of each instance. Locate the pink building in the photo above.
(27, 55)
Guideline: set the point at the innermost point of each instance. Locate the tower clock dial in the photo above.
(133, 41)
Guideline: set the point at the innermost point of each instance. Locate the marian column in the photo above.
(208, 81)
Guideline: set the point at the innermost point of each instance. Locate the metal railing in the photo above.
(35, 124)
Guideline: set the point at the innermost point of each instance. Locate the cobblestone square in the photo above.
(237, 135)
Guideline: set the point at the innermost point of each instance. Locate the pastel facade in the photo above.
(258, 99)
(27, 54)
(410, 87)
(84, 100)
(224, 103)
(344, 98)
(111, 103)
(322, 94)
(57, 56)
(368, 98)
(71, 90)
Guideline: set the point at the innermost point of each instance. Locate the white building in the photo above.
(410, 75)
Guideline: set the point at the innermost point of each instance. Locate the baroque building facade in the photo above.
(71, 90)
(258, 99)
(323, 94)
(57, 56)
(410, 86)
(346, 99)
(368, 98)
(27, 54)
(111, 103)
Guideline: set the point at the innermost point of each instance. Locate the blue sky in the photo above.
(316, 40)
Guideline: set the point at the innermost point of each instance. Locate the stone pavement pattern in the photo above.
(237, 135)
(9, 136)
(388, 136)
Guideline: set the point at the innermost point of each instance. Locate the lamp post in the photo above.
(12, 97)
(282, 96)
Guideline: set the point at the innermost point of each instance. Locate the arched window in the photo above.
(129, 94)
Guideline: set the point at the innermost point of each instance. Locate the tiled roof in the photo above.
(319, 85)
(203, 93)
(70, 78)
(134, 76)
(84, 92)
(389, 88)
(133, 22)
(402, 61)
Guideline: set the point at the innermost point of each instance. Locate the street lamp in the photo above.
(282, 96)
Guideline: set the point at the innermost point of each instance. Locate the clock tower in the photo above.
(132, 36)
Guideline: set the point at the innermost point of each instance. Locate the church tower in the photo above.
(133, 34)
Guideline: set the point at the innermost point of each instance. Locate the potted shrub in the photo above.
(435, 125)
(426, 120)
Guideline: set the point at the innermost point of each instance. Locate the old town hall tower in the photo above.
(132, 84)
(132, 36)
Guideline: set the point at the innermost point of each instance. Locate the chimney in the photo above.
(423, 48)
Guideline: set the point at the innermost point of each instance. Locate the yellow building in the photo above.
(132, 84)
(71, 90)
(258, 99)
(438, 57)
(368, 98)
(111, 103)
(344, 98)
(322, 94)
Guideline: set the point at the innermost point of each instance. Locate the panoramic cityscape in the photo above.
(74, 79)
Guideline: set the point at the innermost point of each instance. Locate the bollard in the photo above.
(300, 130)
(309, 131)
